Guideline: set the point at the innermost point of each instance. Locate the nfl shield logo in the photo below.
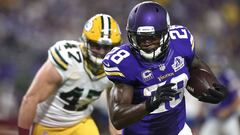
(162, 67)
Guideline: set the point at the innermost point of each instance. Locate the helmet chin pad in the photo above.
(151, 56)
(154, 55)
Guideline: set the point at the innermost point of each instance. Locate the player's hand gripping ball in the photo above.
(204, 86)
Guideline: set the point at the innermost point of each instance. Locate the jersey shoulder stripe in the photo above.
(119, 65)
(64, 52)
(113, 71)
(192, 42)
(58, 59)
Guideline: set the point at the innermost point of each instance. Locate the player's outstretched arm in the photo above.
(215, 95)
(123, 112)
(44, 83)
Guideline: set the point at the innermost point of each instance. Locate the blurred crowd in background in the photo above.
(29, 27)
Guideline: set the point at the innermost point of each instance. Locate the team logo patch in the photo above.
(147, 75)
(178, 63)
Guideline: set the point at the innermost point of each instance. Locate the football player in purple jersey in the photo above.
(150, 75)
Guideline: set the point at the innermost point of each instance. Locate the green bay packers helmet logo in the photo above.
(88, 25)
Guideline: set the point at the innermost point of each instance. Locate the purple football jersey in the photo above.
(124, 66)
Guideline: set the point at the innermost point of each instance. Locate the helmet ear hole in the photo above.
(135, 10)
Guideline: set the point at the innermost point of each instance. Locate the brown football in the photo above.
(200, 81)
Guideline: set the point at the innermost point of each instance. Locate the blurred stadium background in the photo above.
(29, 27)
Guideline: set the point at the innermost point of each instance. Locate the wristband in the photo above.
(23, 131)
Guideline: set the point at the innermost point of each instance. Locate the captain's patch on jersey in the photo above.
(147, 75)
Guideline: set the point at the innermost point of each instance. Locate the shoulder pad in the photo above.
(182, 41)
(178, 32)
(62, 53)
(118, 65)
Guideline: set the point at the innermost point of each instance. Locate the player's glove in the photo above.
(162, 94)
(215, 95)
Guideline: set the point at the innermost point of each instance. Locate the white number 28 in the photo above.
(180, 81)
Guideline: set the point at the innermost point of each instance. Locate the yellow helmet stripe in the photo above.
(59, 60)
(115, 74)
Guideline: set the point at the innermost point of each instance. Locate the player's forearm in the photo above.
(27, 112)
(124, 115)
(113, 130)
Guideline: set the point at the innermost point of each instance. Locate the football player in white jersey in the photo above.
(58, 102)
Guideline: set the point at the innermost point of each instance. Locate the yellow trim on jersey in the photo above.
(192, 42)
(58, 60)
(114, 74)
(192, 45)
(97, 76)
(92, 76)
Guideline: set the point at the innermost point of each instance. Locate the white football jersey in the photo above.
(71, 103)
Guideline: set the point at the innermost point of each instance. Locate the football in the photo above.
(200, 81)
